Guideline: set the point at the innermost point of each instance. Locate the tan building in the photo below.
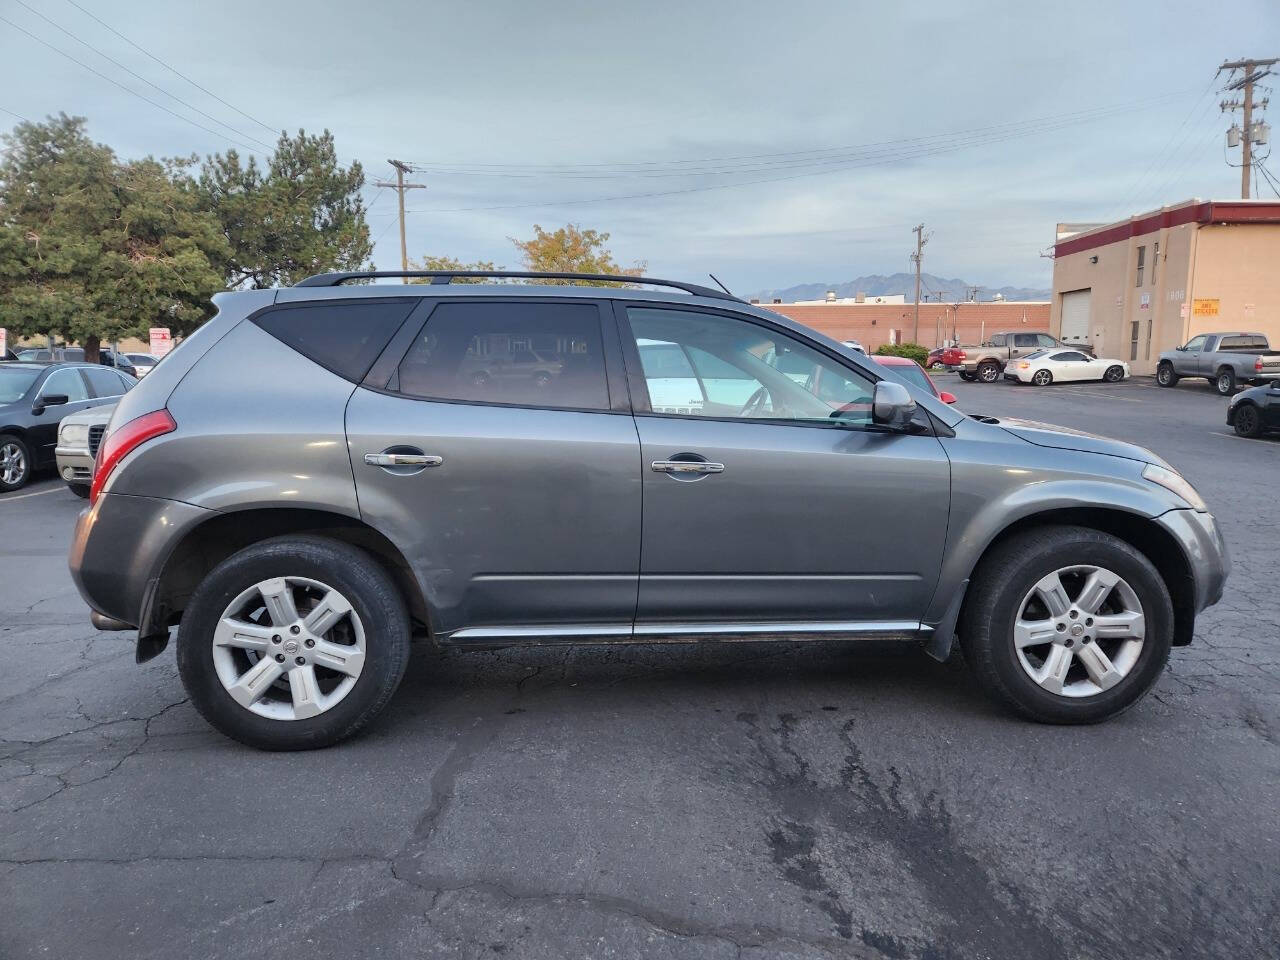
(870, 323)
(1147, 284)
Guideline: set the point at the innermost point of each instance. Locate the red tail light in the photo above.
(1257, 364)
(123, 440)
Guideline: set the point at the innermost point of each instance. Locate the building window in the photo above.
(1155, 259)
(1142, 259)
(1133, 336)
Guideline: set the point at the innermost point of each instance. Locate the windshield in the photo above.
(15, 382)
(913, 374)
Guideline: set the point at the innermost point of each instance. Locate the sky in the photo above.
(767, 143)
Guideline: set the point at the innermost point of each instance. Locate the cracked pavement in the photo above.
(764, 800)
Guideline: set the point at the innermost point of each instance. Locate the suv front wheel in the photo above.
(293, 643)
(1067, 625)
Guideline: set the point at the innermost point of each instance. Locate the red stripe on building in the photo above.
(1208, 212)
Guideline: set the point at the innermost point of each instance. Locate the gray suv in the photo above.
(317, 476)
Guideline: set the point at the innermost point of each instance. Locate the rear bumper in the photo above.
(119, 548)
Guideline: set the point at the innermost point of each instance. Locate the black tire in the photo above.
(81, 490)
(373, 596)
(1113, 374)
(988, 371)
(1247, 420)
(1165, 376)
(967, 376)
(1004, 578)
(1225, 382)
(1042, 378)
(17, 448)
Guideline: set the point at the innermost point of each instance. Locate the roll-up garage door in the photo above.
(1075, 316)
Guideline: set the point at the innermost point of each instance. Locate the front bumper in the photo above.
(1201, 541)
(119, 549)
(74, 464)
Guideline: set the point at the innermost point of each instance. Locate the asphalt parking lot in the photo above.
(769, 800)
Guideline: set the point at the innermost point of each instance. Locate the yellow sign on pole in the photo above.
(1205, 308)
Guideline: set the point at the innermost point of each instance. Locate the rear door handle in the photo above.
(685, 466)
(402, 460)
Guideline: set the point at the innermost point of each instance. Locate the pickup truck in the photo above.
(1224, 359)
(987, 361)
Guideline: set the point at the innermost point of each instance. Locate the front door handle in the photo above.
(402, 460)
(685, 466)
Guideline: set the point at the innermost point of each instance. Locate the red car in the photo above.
(909, 370)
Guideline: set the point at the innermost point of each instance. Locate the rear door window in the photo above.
(526, 354)
(105, 382)
(343, 336)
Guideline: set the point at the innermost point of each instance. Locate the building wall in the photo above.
(1200, 258)
(870, 323)
(1116, 301)
(1239, 266)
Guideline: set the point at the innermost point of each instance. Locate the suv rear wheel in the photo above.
(1067, 625)
(988, 371)
(293, 643)
(1225, 382)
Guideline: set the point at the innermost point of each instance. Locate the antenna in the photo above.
(719, 284)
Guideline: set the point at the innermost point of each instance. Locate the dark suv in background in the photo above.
(319, 473)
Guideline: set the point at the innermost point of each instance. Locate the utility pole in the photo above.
(921, 240)
(400, 187)
(1245, 103)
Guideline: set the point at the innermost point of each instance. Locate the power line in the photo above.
(116, 83)
(1163, 154)
(136, 75)
(641, 165)
(173, 70)
(834, 167)
(12, 114)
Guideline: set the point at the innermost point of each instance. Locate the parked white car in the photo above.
(78, 439)
(1057, 366)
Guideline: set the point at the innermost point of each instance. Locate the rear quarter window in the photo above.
(343, 336)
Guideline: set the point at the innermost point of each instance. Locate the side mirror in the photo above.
(892, 406)
(49, 400)
(947, 397)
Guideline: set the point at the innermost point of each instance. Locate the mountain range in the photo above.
(951, 290)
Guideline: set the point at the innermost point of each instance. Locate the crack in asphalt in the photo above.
(64, 783)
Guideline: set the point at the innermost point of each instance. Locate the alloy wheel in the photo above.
(989, 373)
(289, 648)
(1042, 378)
(1079, 631)
(13, 464)
(1246, 420)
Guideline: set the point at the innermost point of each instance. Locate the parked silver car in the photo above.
(78, 438)
(315, 476)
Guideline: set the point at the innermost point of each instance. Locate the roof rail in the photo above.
(446, 276)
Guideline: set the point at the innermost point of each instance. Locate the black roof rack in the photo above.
(446, 276)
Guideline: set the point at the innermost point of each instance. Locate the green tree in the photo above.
(93, 249)
(570, 249)
(451, 263)
(302, 215)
